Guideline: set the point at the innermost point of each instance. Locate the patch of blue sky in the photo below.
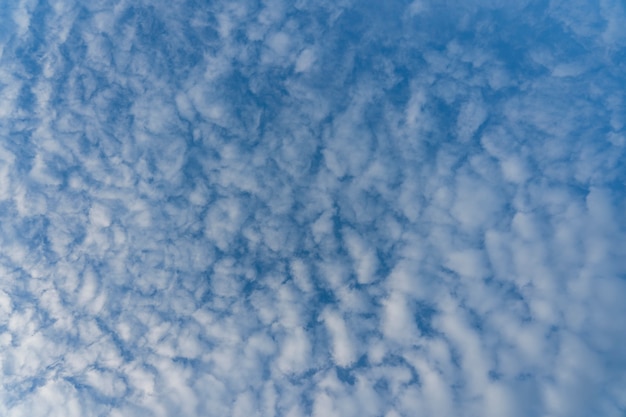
(332, 209)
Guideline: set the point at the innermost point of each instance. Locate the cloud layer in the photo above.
(273, 208)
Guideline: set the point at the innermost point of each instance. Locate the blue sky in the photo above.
(329, 208)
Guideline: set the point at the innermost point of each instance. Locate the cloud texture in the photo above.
(329, 208)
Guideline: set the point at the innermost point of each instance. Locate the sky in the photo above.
(312, 208)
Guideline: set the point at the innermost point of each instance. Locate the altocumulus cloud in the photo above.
(329, 208)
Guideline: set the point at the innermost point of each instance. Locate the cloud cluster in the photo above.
(331, 209)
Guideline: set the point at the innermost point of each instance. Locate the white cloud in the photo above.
(295, 352)
(305, 60)
(343, 350)
(398, 322)
(364, 257)
(472, 115)
(291, 209)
